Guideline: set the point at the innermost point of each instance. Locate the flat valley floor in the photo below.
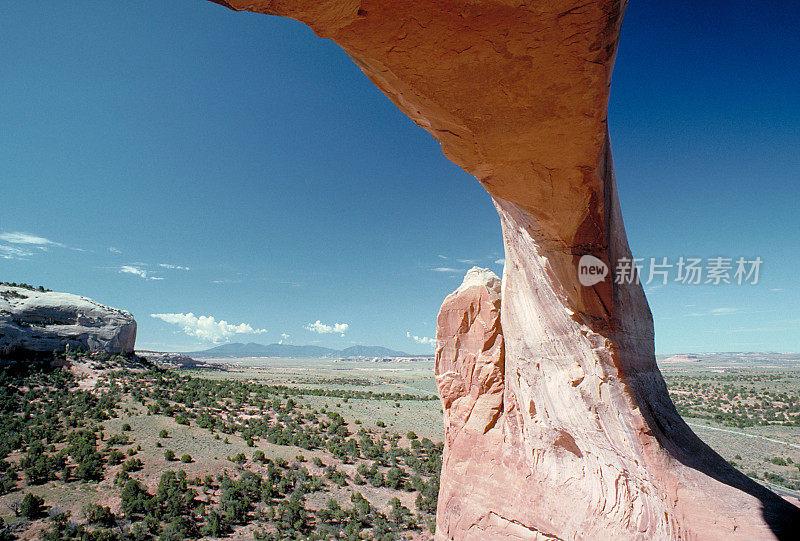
(305, 448)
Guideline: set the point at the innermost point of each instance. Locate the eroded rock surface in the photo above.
(469, 367)
(559, 425)
(550, 447)
(36, 321)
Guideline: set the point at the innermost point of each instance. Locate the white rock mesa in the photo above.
(36, 321)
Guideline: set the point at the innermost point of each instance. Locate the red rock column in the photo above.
(587, 444)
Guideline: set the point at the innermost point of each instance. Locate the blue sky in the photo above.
(177, 157)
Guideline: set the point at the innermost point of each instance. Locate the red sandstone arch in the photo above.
(559, 425)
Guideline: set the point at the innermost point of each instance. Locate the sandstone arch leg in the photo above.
(559, 425)
(576, 438)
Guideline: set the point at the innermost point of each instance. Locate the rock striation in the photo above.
(558, 421)
(534, 450)
(46, 321)
(469, 358)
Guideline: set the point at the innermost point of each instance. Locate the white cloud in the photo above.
(12, 252)
(284, 337)
(501, 261)
(129, 269)
(25, 242)
(18, 237)
(468, 261)
(340, 327)
(172, 267)
(322, 328)
(207, 328)
(724, 311)
(445, 269)
(421, 339)
(440, 256)
(114, 250)
(138, 271)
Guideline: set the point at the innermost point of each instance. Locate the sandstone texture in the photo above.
(469, 368)
(550, 449)
(43, 322)
(558, 421)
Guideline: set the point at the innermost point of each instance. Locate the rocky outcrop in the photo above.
(469, 357)
(45, 321)
(548, 448)
(586, 443)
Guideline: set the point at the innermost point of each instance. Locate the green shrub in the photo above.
(134, 464)
(97, 514)
(115, 457)
(135, 498)
(32, 506)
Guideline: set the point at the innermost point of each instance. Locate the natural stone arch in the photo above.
(558, 420)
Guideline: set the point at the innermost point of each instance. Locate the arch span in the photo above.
(559, 425)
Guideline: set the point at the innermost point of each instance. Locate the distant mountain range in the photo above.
(252, 349)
